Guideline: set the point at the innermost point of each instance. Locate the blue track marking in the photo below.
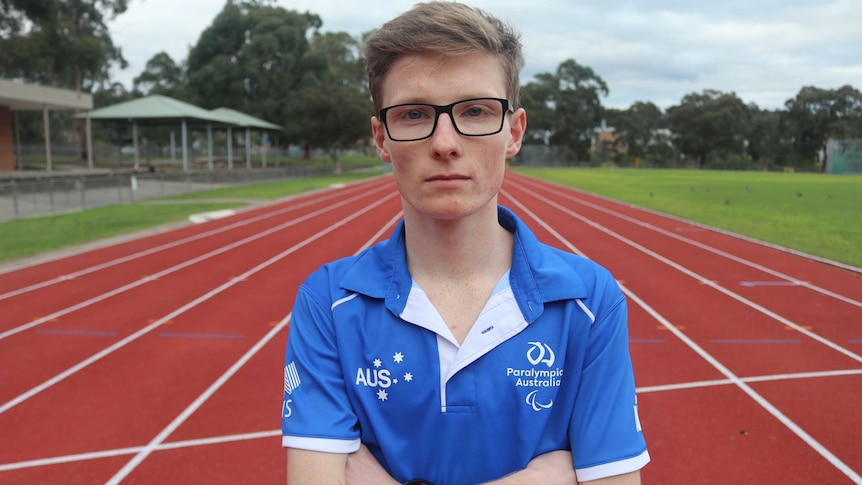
(46, 331)
(756, 341)
(752, 284)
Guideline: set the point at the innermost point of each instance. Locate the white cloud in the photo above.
(655, 51)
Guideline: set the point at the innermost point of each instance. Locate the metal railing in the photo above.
(38, 196)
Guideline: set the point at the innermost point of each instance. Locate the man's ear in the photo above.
(517, 129)
(378, 131)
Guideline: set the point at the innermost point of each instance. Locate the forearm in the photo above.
(554, 468)
(306, 467)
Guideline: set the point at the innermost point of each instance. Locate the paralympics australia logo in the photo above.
(382, 377)
(541, 377)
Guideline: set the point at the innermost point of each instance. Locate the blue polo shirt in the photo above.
(545, 367)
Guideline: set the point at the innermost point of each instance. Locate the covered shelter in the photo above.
(161, 110)
(15, 96)
(248, 122)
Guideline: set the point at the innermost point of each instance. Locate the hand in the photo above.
(363, 469)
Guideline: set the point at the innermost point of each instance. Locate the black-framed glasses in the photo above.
(470, 117)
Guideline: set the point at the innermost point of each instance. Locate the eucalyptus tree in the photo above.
(161, 75)
(60, 43)
(565, 107)
(815, 115)
(252, 58)
(708, 123)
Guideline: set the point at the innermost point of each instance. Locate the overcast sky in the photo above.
(645, 50)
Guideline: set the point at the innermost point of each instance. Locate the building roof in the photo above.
(26, 97)
(244, 120)
(156, 109)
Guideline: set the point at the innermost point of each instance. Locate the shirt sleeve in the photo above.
(605, 431)
(316, 413)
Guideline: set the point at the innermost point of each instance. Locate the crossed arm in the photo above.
(361, 468)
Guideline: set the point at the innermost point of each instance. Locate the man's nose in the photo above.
(445, 139)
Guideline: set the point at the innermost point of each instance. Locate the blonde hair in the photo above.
(442, 28)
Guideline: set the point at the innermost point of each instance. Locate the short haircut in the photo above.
(448, 28)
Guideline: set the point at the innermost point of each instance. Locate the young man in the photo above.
(460, 351)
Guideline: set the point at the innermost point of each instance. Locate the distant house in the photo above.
(606, 142)
(15, 96)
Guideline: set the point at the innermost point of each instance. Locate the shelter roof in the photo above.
(156, 109)
(24, 97)
(244, 120)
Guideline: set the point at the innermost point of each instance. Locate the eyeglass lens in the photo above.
(472, 117)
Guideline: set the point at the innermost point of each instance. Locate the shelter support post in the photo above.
(248, 148)
(263, 149)
(210, 146)
(173, 147)
(185, 133)
(45, 119)
(229, 148)
(89, 128)
(18, 160)
(135, 144)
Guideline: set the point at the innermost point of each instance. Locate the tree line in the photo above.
(279, 65)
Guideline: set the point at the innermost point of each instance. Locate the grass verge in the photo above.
(28, 237)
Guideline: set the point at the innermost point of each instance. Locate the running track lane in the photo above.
(692, 407)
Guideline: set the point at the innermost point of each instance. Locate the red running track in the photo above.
(159, 360)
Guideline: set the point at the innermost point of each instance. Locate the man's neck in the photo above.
(476, 246)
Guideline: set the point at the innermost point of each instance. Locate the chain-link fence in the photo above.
(844, 156)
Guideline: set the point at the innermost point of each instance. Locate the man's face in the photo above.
(448, 175)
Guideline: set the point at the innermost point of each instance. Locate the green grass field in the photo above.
(814, 213)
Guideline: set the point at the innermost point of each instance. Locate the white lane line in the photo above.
(182, 265)
(700, 245)
(182, 417)
(131, 338)
(163, 247)
(770, 378)
(95, 455)
(703, 280)
(729, 375)
(174, 445)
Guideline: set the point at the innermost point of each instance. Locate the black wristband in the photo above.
(417, 481)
